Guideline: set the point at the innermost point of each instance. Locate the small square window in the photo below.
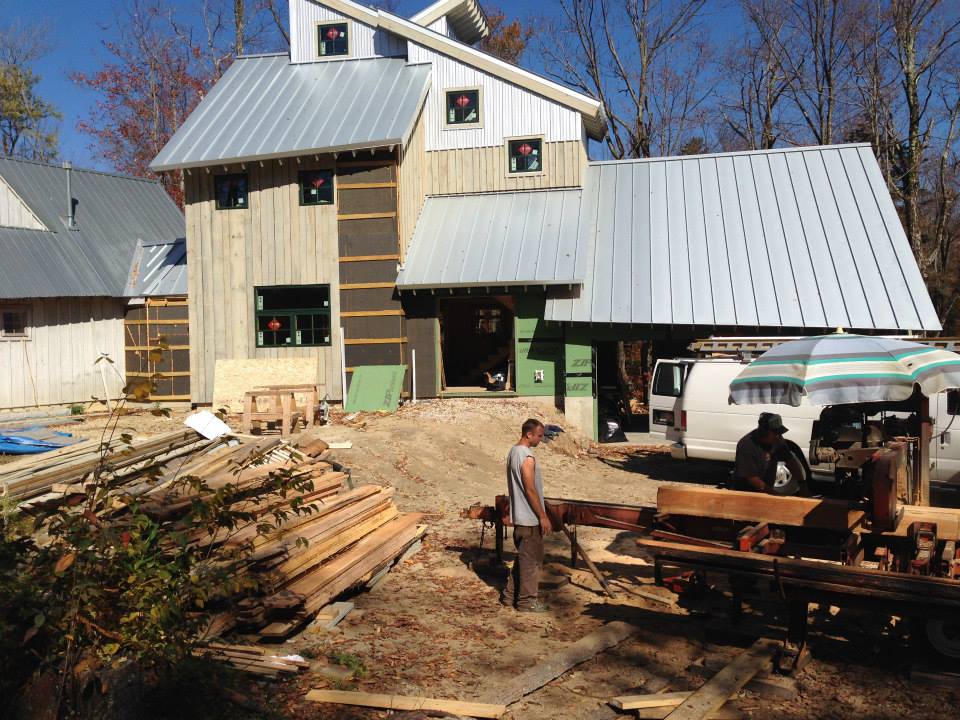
(231, 191)
(332, 39)
(526, 155)
(463, 107)
(316, 187)
(13, 323)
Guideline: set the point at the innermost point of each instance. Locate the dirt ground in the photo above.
(434, 626)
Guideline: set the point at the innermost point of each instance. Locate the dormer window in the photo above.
(525, 155)
(231, 191)
(333, 39)
(463, 107)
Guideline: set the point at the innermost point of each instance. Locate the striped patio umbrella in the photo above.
(844, 368)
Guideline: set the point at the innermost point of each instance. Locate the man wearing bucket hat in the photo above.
(757, 454)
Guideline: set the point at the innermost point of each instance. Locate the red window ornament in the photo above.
(525, 149)
(318, 182)
(273, 325)
(332, 34)
(462, 101)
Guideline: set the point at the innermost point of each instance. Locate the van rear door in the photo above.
(666, 392)
(945, 445)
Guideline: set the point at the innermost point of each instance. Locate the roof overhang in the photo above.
(495, 240)
(466, 17)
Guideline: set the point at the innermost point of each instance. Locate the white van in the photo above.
(689, 409)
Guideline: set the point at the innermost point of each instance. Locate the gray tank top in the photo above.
(520, 511)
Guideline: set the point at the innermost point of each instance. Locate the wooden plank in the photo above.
(372, 313)
(635, 702)
(406, 702)
(368, 258)
(366, 286)
(758, 507)
(709, 698)
(368, 216)
(363, 186)
(554, 665)
(375, 341)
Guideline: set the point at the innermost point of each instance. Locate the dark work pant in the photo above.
(524, 582)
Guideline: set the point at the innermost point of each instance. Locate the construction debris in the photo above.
(252, 659)
(403, 702)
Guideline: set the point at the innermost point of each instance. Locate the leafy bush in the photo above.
(104, 585)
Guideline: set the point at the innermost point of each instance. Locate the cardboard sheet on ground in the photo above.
(375, 388)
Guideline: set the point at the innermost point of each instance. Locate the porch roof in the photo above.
(495, 240)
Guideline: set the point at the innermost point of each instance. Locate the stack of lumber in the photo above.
(324, 535)
(252, 659)
(117, 460)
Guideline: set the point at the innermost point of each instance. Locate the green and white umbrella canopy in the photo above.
(844, 368)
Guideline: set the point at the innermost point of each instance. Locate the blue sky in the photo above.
(77, 31)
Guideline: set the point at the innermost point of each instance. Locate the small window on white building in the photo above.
(525, 155)
(463, 108)
(14, 322)
(333, 39)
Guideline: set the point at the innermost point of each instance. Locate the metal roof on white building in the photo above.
(799, 238)
(266, 107)
(494, 239)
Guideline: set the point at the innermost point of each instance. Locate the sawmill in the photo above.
(873, 542)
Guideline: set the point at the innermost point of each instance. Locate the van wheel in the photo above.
(944, 637)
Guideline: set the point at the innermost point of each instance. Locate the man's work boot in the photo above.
(533, 606)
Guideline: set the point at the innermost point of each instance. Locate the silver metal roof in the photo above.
(800, 238)
(266, 107)
(112, 213)
(511, 238)
(158, 270)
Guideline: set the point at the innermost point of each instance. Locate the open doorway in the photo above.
(476, 343)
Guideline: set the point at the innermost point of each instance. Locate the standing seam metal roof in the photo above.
(511, 238)
(112, 213)
(266, 107)
(800, 237)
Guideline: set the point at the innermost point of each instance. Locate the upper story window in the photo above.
(14, 322)
(316, 187)
(463, 107)
(231, 191)
(333, 39)
(525, 155)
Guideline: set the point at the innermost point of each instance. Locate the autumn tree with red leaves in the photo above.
(160, 67)
(507, 40)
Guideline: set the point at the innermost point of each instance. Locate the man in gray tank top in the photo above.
(529, 517)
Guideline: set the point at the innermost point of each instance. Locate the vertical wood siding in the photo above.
(56, 364)
(414, 183)
(273, 242)
(506, 110)
(484, 169)
(14, 212)
(366, 41)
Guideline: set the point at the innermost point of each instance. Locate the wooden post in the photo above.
(286, 424)
(923, 456)
(573, 547)
(498, 543)
(249, 404)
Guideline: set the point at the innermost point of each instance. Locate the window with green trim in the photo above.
(292, 315)
(526, 155)
(463, 107)
(230, 191)
(333, 39)
(316, 187)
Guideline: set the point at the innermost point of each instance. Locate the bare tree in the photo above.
(751, 109)
(923, 40)
(274, 9)
(627, 54)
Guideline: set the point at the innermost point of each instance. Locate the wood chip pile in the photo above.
(350, 536)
